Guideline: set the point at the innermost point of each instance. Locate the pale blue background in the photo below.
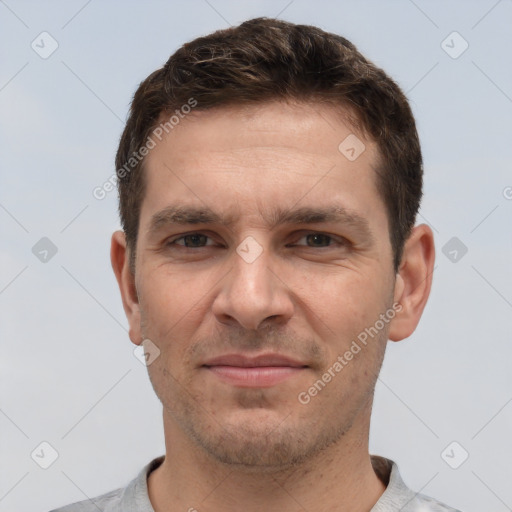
(68, 373)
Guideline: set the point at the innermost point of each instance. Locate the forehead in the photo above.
(322, 127)
(249, 158)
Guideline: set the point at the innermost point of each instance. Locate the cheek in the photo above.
(170, 305)
(344, 303)
(171, 292)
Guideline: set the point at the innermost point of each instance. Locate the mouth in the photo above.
(262, 371)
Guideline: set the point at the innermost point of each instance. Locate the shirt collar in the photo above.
(135, 497)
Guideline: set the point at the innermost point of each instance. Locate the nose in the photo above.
(253, 293)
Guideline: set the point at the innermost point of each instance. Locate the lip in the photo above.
(260, 371)
(244, 361)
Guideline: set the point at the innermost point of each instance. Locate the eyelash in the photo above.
(341, 241)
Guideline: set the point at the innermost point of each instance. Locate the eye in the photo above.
(312, 240)
(321, 240)
(191, 241)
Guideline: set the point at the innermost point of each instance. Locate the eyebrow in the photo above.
(184, 215)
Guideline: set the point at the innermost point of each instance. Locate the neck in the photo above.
(340, 478)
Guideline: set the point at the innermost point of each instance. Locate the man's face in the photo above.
(297, 291)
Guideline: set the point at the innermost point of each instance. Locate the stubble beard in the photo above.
(275, 446)
(252, 447)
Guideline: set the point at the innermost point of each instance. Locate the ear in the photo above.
(120, 259)
(413, 282)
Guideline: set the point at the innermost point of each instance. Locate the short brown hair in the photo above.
(266, 59)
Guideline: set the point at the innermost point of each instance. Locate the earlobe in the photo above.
(413, 282)
(120, 260)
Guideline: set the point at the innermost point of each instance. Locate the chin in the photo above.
(260, 440)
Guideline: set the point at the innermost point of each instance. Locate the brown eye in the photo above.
(319, 240)
(191, 241)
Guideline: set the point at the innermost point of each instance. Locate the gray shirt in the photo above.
(134, 497)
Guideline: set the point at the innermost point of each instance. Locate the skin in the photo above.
(307, 297)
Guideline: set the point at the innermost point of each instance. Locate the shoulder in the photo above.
(125, 499)
(108, 501)
(422, 503)
(398, 496)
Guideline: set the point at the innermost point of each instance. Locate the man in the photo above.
(269, 180)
